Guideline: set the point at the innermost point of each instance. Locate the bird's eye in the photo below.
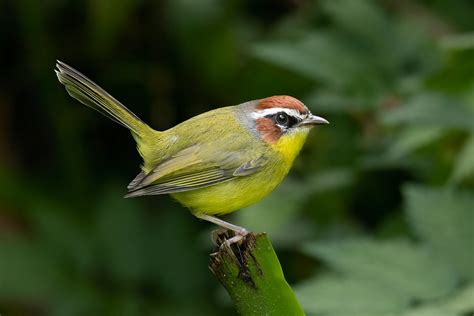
(282, 119)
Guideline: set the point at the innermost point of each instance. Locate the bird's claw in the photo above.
(217, 235)
(239, 235)
(221, 237)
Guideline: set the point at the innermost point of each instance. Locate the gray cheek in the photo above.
(249, 124)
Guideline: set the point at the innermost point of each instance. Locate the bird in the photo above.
(216, 162)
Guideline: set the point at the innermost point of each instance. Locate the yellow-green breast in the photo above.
(244, 191)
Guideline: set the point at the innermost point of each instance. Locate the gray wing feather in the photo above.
(194, 180)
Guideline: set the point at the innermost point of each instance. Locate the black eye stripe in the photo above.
(289, 121)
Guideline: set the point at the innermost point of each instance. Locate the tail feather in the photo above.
(90, 94)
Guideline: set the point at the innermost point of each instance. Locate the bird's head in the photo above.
(284, 122)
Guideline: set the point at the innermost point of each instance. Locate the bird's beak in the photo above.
(314, 120)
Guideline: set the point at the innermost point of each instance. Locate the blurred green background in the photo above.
(376, 218)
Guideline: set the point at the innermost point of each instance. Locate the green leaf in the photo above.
(461, 302)
(431, 109)
(328, 101)
(335, 296)
(458, 41)
(283, 205)
(399, 266)
(444, 218)
(429, 311)
(413, 138)
(361, 18)
(320, 56)
(298, 57)
(464, 166)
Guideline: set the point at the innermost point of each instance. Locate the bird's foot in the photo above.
(221, 236)
(238, 236)
(234, 240)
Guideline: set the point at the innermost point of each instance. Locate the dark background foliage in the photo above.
(376, 217)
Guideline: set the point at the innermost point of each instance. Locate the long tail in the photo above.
(89, 93)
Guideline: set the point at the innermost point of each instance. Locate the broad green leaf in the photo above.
(464, 165)
(461, 302)
(276, 214)
(332, 102)
(361, 18)
(428, 311)
(444, 218)
(299, 57)
(327, 180)
(335, 296)
(431, 109)
(397, 265)
(320, 56)
(413, 138)
(458, 41)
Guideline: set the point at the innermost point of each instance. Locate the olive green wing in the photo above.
(194, 168)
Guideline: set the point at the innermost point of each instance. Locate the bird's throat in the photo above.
(289, 145)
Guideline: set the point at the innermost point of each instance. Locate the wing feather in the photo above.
(173, 187)
(189, 170)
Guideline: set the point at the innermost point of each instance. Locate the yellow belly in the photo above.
(244, 191)
(232, 195)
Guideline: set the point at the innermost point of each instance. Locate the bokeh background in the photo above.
(376, 217)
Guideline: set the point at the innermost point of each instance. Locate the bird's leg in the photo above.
(237, 229)
(240, 232)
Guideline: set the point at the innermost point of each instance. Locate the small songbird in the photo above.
(216, 162)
